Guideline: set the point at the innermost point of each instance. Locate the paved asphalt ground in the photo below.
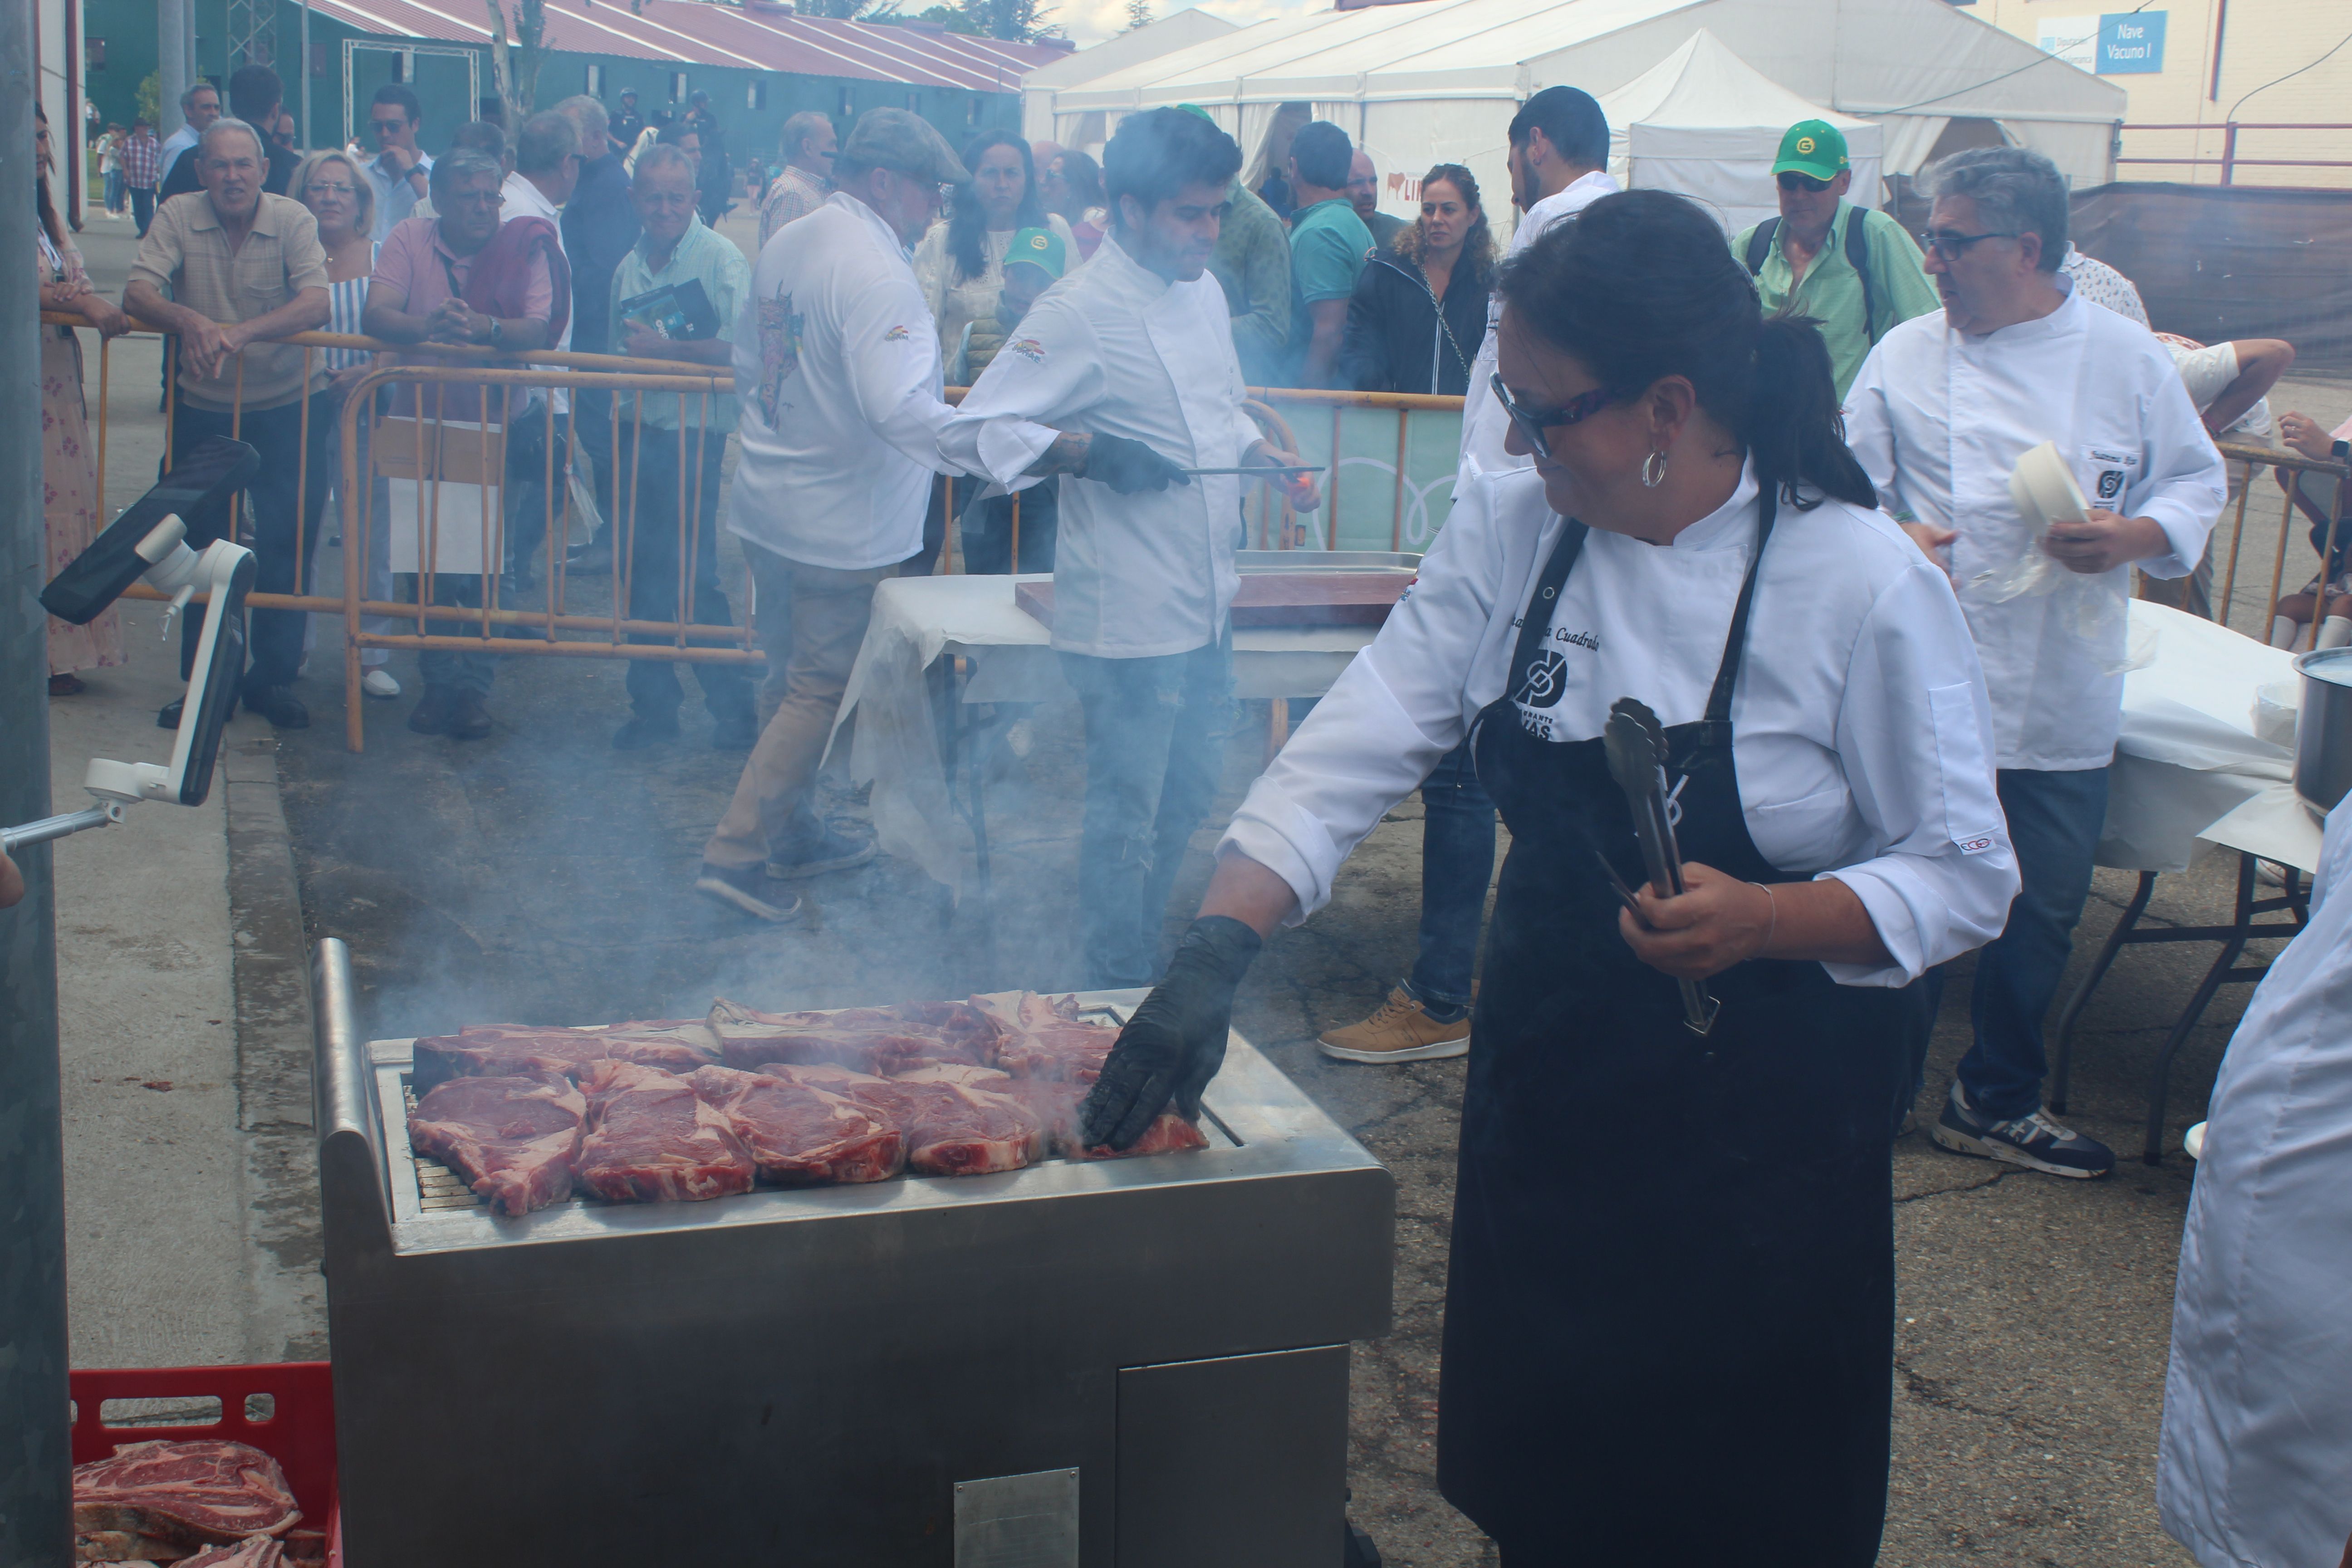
(540, 876)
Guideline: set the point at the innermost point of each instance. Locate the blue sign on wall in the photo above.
(2131, 44)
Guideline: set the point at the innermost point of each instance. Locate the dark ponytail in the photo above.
(1642, 285)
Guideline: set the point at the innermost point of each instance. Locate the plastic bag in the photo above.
(2044, 492)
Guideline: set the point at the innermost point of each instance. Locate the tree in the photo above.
(150, 98)
(515, 67)
(852, 10)
(1139, 14)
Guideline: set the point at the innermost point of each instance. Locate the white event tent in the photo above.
(1707, 123)
(1437, 80)
(1174, 31)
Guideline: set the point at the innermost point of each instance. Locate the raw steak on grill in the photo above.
(189, 1495)
(513, 1139)
(951, 1130)
(488, 1050)
(651, 1139)
(1046, 1038)
(748, 1039)
(1057, 1103)
(798, 1134)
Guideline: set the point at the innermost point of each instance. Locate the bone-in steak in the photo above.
(258, 1552)
(952, 1128)
(187, 1494)
(513, 1139)
(1056, 1103)
(799, 1134)
(651, 1139)
(1045, 1038)
(497, 1050)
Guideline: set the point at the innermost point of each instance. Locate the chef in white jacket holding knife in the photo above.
(1120, 376)
(1940, 416)
(2254, 1469)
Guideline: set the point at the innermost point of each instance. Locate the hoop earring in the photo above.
(1654, 470)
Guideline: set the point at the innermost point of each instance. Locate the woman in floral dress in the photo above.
(69, 456)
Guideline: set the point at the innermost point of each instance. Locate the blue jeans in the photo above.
(1156, 733)
(654, 549)
(1458, 867)
(2054, 819)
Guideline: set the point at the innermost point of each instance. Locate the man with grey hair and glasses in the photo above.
(226, 268)
(1942, 412)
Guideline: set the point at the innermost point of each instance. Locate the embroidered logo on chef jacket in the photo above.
(895, 335)
(1029, 349)
(2113, 470)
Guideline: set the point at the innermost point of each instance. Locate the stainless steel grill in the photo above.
(1139, 1363)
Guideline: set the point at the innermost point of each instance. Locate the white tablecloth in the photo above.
(917, 619)
(2194, 759)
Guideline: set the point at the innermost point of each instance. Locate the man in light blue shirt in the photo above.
(400, 173)
(675, 297)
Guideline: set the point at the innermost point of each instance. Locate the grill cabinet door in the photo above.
(1239, 1461)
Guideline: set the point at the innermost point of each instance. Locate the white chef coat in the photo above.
(838, 410)
(520, 198)
(1117, 349)
(1484, 423)
(1859, 721)
(2254, 1467)
(1939, 419)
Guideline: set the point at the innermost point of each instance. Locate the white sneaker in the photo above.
(378, 682)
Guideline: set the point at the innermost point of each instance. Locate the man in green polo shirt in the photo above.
(1852, 269)
(1329, 243)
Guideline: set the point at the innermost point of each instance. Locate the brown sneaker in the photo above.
(1400, 1032)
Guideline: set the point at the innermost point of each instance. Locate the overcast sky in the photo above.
(1092, 21)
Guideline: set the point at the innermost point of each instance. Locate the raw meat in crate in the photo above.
(799, 1134)
(513, 1139)
(259, 1551)
(651, 1139)
(497, 1050)
(179, 1496)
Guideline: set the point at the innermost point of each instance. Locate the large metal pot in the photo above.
(2323, 728)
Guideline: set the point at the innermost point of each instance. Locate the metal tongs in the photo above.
(1636, 746)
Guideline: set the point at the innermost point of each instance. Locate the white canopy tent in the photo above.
(1154, 40)
(1704, 122)
(1437, 81)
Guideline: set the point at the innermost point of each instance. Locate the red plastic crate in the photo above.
(299, 1433)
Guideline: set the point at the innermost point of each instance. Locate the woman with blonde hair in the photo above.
(1419, 307)
(343, 202)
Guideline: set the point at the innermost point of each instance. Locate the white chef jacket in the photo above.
(1859, 720)
(1484, 423)
(520, 198)
(838, 410)
(1117, 349)
(1939, 419)
(2254, 1467)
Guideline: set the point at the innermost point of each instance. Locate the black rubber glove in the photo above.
(1175, 1042)
(1128, 466)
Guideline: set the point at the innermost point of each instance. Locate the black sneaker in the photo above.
(2033, 1140)
(821, 850)
(645, 730)
(431, 714)
(745, 890)
(280, 706)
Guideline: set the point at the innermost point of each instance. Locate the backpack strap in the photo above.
(1857, 252)
(1759, 245)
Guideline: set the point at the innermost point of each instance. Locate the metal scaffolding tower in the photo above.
(252, 32)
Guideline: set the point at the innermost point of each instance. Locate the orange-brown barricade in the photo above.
(2247, 462)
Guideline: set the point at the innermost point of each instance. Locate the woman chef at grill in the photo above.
(1670, 1318)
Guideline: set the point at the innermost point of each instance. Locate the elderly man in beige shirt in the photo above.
(226, 268)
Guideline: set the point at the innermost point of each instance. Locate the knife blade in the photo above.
(1634, 742)
(1270, 470)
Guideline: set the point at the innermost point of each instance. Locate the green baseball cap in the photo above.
(1815, 148)
(1038, 247)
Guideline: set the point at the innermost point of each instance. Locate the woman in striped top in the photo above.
(339, 197)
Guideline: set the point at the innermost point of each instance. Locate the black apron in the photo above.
(1670, 1315)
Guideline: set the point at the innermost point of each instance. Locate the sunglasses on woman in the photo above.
(1534, 422)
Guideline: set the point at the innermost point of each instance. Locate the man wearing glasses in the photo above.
(1851, 268)
(399, 171)
(1941, 413)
